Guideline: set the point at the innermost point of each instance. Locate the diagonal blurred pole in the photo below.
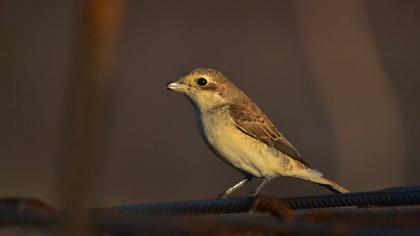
(91, 89)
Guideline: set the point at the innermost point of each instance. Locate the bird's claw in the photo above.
(253, 194)
(222, 196)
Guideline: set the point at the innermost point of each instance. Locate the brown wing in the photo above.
(252, 121)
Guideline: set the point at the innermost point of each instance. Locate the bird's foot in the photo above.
(253, 194)
(222, 196)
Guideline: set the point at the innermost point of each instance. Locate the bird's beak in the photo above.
(177, 86)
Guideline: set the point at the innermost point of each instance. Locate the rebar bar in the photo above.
(167, 219)
(18, 211)
(389, 197)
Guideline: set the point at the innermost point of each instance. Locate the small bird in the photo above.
(240, 134)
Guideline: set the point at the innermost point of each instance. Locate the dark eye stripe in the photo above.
(211, 86)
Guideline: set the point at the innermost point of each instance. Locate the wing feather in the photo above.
(253, 122)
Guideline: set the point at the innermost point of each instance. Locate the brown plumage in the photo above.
(252, 121)
(239, 132)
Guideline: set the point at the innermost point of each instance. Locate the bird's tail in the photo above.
(317, 177)
(330, 185)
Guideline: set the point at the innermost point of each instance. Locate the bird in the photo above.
(241, 134)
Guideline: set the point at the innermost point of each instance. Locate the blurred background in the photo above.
(339, 78)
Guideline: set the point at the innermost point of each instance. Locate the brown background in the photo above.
(340, 80)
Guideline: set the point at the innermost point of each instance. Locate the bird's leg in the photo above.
(234, 187)
(265, 181)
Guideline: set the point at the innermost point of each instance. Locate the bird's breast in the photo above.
(215, 128)
(235, 147)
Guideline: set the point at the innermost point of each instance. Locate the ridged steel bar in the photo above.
(388, 197)
(213, 206)
(20, 210)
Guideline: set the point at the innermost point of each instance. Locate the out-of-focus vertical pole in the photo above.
(348, 74)
(91, 93)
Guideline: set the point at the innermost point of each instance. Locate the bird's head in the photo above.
(206, 88)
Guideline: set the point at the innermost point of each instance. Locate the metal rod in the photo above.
(155, 218)
(388, 197)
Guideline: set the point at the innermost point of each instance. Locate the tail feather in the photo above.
(331, 185)
(318, 178)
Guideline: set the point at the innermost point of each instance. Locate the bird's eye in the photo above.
(202, 82)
